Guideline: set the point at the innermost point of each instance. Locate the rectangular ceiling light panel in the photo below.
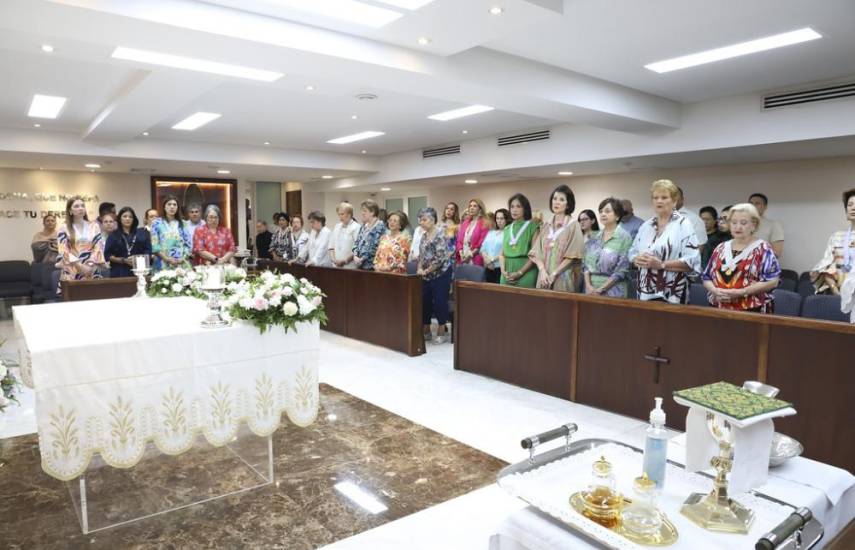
(191, 64)
(460, 113)
(727, 52)
(350, 11)
(406, 4)
(356, 137)
(46, 106)
(196, 120)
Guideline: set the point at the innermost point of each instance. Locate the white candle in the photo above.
(213, 278)
(139, 262)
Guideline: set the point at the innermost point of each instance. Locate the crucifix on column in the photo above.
(658, 361)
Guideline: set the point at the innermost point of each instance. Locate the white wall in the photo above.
(804, 195)
(123, 189)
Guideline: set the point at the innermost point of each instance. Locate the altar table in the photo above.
(110, 376)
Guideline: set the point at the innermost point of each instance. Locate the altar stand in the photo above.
(143, 411)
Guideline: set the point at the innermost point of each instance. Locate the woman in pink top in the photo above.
(471, 234)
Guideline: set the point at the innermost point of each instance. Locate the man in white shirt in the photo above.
(194, 220)
(697, 222)
(342, 238)
(770, 231)
(319, 241)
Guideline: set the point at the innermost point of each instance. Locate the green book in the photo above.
(732, 400)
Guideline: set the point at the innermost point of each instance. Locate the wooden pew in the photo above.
(98, 289)
(379, 308)
(618, 355)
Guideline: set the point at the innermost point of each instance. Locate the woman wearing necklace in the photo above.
(742, 272)
(471, 234)
(605, 262)
(127, 241)
(557, 250)
(394, 247)
(837, 266)
(665, 249)
(517, 268)
(79, 244)
(365, 245)
(213, 243)
(434, 267)
(169, 239)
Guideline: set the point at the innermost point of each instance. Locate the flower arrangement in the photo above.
(188, 282)
(8, 384)
(273, 299)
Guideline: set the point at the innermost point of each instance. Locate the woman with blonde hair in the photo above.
(471, 235)
(368, 238)
(666, 249)
(79, 244)
(449, 224)
(742, 273)
(44, 245)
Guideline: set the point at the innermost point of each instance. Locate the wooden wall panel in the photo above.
(99, 289)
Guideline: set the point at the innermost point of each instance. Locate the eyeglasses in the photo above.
(584, 219)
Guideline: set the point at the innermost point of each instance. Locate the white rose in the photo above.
(290, 309)
(267, 276)
(288, 278)
(306, 307)
(276, 300)
(164, 290)
(177, 287)
(316, 301)
(287, 291)
(245, 303)
(3, 371)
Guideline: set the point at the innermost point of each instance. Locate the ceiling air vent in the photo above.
(523, 138)
(825, 93)
(441, 151)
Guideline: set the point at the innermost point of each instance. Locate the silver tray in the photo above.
(806, 537)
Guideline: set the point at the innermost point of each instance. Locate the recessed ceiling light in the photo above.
(41, 168)
(496, 10)
(364, 151)
(424, 40)
(46, 106)
(353, 117)
(465, 132)
(310, 88)
(471, 182)
(565, 173)
(92, 165)
(360, 497)
(327, 177)
(385, 188)
(196, 120)
(406, 4)
(356, 137)
(145, 134)
(462, 112)
(744, 48)
(191, 64)
(47, 48)
(37, 125)
(224, 171)
(267, 143)
(350, 11)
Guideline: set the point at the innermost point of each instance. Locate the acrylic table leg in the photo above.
(84, 514)
(270, 458)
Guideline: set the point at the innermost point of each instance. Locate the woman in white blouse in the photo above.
(319, 241)
(665, 250)
(299, 241)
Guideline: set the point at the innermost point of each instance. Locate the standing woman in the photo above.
(450, 223)
(127, 241)
(606, 263)
(79, 244)
(170, 242)
(471, 234)
(44, 243)
(299, 241)
(394, 248)
(319, 241)
(491, 248)
(665, 249)
(743, 272)
(280, 243)
(837, 265)
(518, 269)
(213, 243)
(365, 245)
(434, 267)
(588, 222)
(557, 250)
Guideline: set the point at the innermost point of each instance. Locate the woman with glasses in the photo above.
(588, 222)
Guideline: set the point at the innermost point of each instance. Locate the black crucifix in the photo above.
(658, 361)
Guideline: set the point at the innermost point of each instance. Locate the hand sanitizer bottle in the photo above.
(656, 446)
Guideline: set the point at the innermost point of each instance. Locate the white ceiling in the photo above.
(541, 63)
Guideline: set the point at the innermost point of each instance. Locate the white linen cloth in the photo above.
(111, 375)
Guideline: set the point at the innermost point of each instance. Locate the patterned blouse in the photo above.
(171, 239)
(834, 261)
(607, 260)
(280, 243)
(435, 253)
(88, 249)
(219, 243)
(678, 241)
(300, 246)
(759, 265)
(392, 253)
(365, 245)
